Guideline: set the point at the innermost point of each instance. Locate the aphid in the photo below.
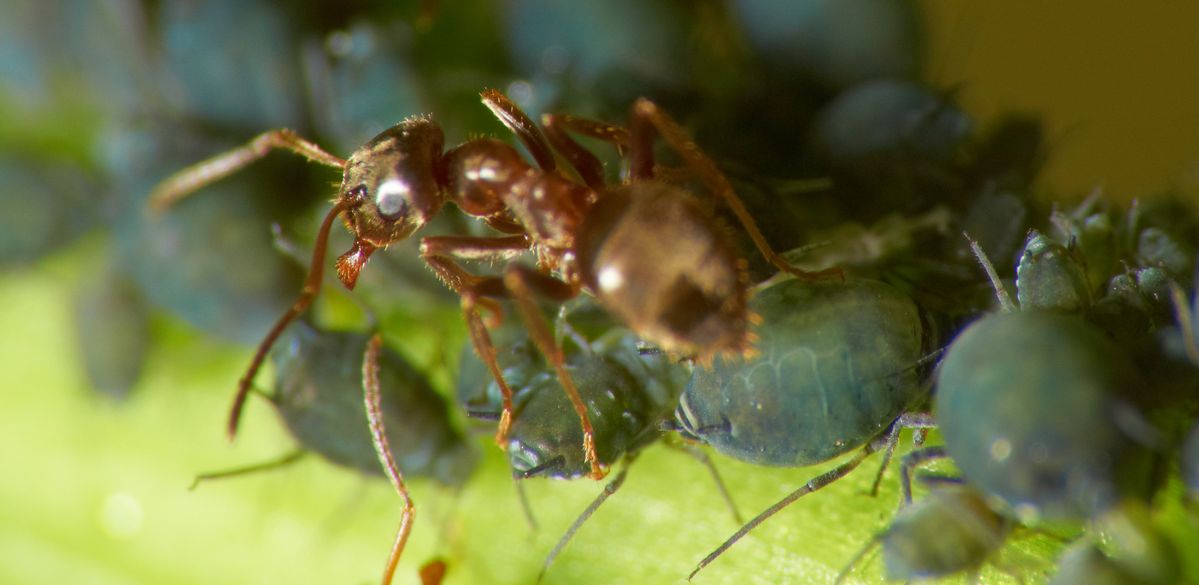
(112, 323)
(951, 530)
(212, 263)
(1029, 406)
(586, 236)
(320, 376)
(629, 395)
(318, 380)
(1189, 464)
(838, 365)
(1124, 547)
(316, 392)
(839, 43)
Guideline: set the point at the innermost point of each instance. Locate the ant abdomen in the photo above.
(656, 257)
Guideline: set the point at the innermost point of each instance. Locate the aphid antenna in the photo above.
(526, 507)
(610, 488)
(1005, 300)
(1185, 316)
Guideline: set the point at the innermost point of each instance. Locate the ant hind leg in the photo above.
(646, 118)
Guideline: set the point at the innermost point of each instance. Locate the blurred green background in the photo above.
(95, 490)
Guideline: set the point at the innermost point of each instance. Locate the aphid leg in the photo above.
(525, 285)
(522, 126)
(586, 164)
(374, 417)
(920, 422)
(646, 117)
(706, 461)
(603, 496)
(892, 439)
(311, 288)
(255, 468)
(206, 172)
(913, 460)
(857, 558)
(814, 484)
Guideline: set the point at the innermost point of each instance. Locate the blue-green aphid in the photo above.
(1189, 464)
(951, 530)
(837, 363)
(1030, 408)
(1124, 546)
(629, 391)
(112, 327)
(318, 394)
(628, 396)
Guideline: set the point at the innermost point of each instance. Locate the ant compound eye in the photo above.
(356, 193)
(391, 198)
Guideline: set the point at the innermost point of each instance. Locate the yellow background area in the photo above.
(1117, 82)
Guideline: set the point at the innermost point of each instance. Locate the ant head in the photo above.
(389, 190)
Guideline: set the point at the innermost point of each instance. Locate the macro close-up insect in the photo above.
(585, 247)
(837, 369)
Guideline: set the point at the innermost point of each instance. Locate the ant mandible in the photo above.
(648, 250)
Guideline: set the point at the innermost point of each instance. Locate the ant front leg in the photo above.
(439, 253)
(374, 417)
(525, 285)
(646, 118)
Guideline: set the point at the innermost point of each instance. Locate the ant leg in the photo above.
(519, 123)
(311, 288)
(374, 416)
(255, 468)
(481, 340)
(437, 251)
(586, 164)
(647, 117)
(206, 172)
(520, 283)
(814, 484)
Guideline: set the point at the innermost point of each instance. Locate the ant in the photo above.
(648, 250)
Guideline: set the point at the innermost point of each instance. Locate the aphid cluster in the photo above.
(764, 257)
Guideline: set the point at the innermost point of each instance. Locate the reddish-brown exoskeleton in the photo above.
(648, 250)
